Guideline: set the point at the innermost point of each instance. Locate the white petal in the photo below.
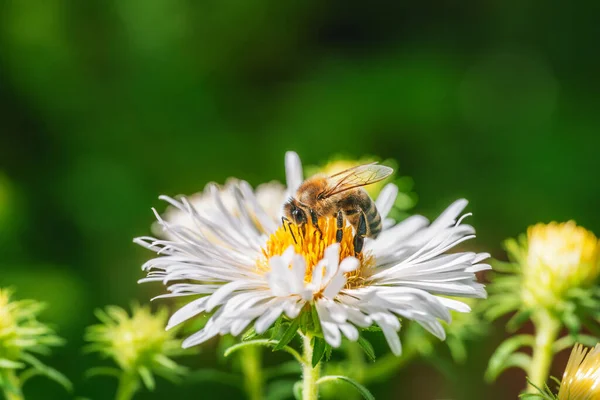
(335, 285)
(331, 258)
(265, 321)
(386, 199)
(224, 292)
(349, 264)
(349, 331)
(331, 331)
(390, 333)
(293, 172)
(186, 312)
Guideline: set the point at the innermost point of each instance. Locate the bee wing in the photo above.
(355, 177)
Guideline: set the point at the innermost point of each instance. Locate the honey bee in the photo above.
(340, 195)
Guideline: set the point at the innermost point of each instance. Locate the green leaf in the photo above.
(7, 385)
(505, 356)
(367, 348)
(319, 347)
(147, 378)
(504, 305)
(288, 335)
(298, 390)
(570, 341)
(502, 266)
(361, 389)
(40, 368)
(517, 320)
(572, 322)
(457, 348)
(102, 371)
(9, 364)
(519, 360)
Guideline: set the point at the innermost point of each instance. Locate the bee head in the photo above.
(294, 213)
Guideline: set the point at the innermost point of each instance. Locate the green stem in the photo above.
(128, 385)
(310, 374)
(547, 329)
(12, 391)
(251, 360)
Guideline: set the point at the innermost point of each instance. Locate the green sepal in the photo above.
(328, 352)
(249, 334)
(288, 335)
(277, 329)
(367, 348)
(373, 328)
(316, 328)
(319, 348)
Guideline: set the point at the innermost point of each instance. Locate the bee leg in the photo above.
(287, 225)
(339, 234)
(361, 232)
(315, 222)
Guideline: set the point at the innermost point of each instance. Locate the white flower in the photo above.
(248, 268)
(270, 196)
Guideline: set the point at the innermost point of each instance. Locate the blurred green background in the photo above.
(104, 105)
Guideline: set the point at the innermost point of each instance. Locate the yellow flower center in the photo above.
(559, 257)
(311, 244)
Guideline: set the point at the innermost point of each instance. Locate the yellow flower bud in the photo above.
(22, 337)
(138, 343)
(559, 257)
(581, 380)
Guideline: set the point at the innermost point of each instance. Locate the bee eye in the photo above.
(298, 216)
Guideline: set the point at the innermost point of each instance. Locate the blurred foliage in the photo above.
(107, 104)
(22, 340)
(140, 346)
